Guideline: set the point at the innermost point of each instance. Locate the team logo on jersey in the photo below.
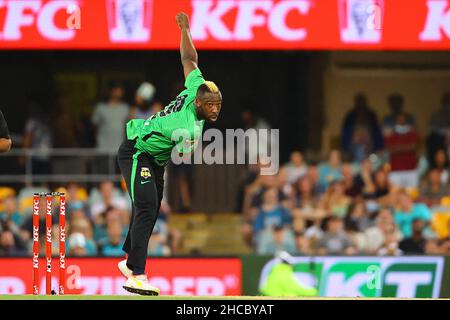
(145, 173)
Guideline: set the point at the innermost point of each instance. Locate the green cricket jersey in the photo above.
(160, 133)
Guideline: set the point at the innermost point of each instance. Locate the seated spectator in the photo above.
(254, 194)
(335, 241)
(11, 244)
(441, 164)
(348, 179)
(10, 211)
(439, 128)
(433, 190)
(378, 187)
(375, 237)
(76, 199)
(306, 201)
(395, 102)
(390, 246)
(361, 181)
(276, 240)
(361, 134)
(296, 167)
(407, 212)
(269, 214)
(335, 201)
(285, 187)
(83, 226)
(143, 100)
(331, 170)
(112, 245)
(157, 245)
(107, 196)
(101, 225)
(314, 177)
(358, 216)
(76, 245)
(302, 246)
(416, 243)
(402, 145)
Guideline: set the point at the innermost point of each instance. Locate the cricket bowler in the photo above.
(148, 148)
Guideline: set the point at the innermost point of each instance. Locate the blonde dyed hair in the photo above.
(213, 88)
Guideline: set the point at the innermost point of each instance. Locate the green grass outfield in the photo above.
(133, 297)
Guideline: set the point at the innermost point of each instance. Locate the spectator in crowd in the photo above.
(306, 200)
(378, 187)
(335, 201)
(109, 120)
(356, 185)
(396, 108)
(296, 167)
(270, 213)
(335, 241)
(10, 211)
(38, 136)
(331, 170)
(416, 243)
(285, 187)
(276, 240)
(407, 212)
(109, 216)
(439, 128)
(440, 162)
(112, 245)
(76, 199)
(390, 246)
(302, 245)
(84, 227)
(358, 216)
(314, 176)
(254, 194)
(107, 197)
(361, 134)
(157, 245)
(433, 190)
(375, 236)
(352, 189)
(142, 108)
(11, 244)
(76, 245)
(402, 144)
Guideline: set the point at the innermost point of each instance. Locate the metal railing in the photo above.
(87, 156)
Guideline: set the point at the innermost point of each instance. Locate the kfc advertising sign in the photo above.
(88, 276)
(226, 24)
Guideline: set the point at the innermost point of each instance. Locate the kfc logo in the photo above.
(361, 21)
(129, 20)
(207, 19)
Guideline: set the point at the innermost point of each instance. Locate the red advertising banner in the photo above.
(226, 24)
(174, 276)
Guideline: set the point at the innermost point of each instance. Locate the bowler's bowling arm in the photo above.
(189, 56)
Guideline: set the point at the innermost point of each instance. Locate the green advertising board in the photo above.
(405, 277)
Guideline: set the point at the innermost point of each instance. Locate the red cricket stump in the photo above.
(62, 243)
(48, 243)
(36, 199)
